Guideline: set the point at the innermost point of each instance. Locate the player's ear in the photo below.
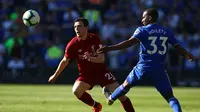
(150, 18)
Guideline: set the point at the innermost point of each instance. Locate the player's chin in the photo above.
(78, 35)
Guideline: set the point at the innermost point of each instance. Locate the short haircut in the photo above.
(85, 21)
(153, 13)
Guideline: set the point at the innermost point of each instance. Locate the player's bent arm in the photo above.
(125, 44)
(184, 52)
(99, 59)
(63, 63)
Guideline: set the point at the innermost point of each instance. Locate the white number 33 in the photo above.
(155, 48)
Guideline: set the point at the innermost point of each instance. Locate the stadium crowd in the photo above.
(114, 20)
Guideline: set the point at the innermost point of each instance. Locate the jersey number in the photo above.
(155, 48)
(110, 76)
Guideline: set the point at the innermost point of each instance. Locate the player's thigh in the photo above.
(80, 87)
(134, 76)
(162, 84)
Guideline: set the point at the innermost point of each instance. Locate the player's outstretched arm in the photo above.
(184, 52)
(63, 63)
(121, 45)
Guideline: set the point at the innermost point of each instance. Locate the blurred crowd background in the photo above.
(114, 20)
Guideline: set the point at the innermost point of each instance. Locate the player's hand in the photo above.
(103, 49)
(52, 79)
(190, 57)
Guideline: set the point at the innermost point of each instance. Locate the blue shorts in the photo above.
(158, 78)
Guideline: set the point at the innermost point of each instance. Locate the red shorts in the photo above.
(102, 79)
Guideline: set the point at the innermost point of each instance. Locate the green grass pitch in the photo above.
(59, 98)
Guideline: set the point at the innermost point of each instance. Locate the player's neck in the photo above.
(85, 36)
(153, 23)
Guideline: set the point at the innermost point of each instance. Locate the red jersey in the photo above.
(76, 48)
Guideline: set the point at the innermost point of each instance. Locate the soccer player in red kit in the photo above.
(91, 66)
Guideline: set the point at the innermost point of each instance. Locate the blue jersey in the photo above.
(154, 40)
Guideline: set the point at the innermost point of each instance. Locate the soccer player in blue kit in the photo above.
(154, 40)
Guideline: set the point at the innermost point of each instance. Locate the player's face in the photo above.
(80, 29)
(145, 18)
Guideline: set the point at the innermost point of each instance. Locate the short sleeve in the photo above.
(70, 52)
(97, 41)
(172, 40)
(138, 34)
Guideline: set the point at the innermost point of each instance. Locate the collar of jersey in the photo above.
(89, 37)
(152, 24)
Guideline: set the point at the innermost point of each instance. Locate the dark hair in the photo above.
(153, 13)
(85, 21)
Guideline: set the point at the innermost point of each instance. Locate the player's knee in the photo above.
(77, 92)
(126, 85)
(125, 89)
